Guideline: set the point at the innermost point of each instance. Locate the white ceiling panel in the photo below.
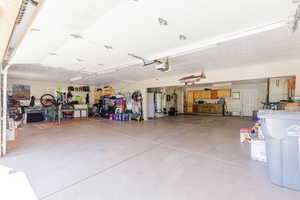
(133, 27)
(55, 22)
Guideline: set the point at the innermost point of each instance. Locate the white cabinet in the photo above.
(81, 110)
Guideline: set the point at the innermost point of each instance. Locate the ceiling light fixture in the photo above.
(217, 41)
(162, 21)
(182, 37)
(222, 84)
(76, 36)
(35, 3)
(108, 47)
(101, 64)
(34, 29)
(79, 60)
(52, 54)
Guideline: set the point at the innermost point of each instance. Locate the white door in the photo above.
(151, 105)
(249, 101)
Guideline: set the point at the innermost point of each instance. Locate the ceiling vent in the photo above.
(79, 60)
(162, 22)
(108, 47)
(23, 9)
(35, 30)
(76, 36)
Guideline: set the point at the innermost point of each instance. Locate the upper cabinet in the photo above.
(202, 94)
(190, 101)
(214, 94)
(190, 98)
(206, 94)
(211, 94)
(224, 93)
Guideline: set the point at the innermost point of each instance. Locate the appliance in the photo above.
(164, 66)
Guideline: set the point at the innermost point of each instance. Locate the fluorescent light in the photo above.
(222, 84)
(214, 42)
(254, 30)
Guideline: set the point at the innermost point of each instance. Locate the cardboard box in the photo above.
(245, 135)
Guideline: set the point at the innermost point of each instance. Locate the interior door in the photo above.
(190, 101)
(249, 101)
(151, 107)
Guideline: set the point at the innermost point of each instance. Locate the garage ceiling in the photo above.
(92, 38)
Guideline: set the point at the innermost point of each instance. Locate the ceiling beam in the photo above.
(9, 11)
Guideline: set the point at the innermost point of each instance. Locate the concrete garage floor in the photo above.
(173, 158)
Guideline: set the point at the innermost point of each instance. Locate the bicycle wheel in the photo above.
(47, 100)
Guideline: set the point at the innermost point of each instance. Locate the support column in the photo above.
(297, 90)
(145, 103)
(1, 124)
(4, 111)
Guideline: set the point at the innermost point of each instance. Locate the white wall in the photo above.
(38, 88)
(180, 98)
(235, 105)
(265, 70)
(279, 89)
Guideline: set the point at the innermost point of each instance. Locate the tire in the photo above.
(48, 100)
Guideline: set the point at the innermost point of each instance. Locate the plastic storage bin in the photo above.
(282, 135)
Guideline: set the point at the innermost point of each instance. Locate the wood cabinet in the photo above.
(202, 94)
(224, 93)
(99, 94)
(214, 94)
(206, 94)
(211, 94)
(190, 101)
(108, 92)
(217, 109)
